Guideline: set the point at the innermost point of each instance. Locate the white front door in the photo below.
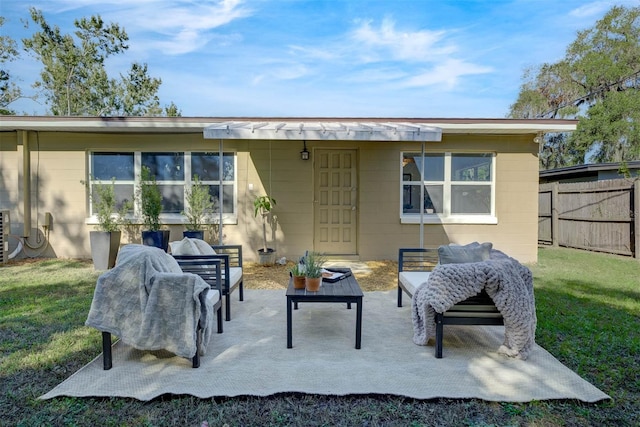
(335, 202)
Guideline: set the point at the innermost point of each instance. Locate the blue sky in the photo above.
(331, 58)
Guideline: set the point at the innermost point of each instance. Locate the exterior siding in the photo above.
(275, 168)
(10, 176)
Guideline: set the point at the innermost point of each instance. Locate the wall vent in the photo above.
(5, 227)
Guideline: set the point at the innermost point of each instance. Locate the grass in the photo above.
(588, 308)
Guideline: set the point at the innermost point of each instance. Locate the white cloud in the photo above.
(446, 73)
(387, 42)
(376, 75)
(313, 53)
(596, 9)
(166, 17)
(173, 28)
(187, 26)
(589, 10)
(280, 72)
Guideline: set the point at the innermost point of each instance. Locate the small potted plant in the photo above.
(298, 275)
(313, 263)
(105, 240)
(151, 207)
(199, 206)
(263, 205)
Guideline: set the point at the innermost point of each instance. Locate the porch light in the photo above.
(539, 138)
(304, 154)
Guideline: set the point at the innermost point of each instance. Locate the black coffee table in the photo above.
(345, 290)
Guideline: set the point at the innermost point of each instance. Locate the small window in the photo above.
(168, 168)
(117, 168)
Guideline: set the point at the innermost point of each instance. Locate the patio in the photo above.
(251, 359)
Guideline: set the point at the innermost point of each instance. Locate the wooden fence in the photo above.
(600, 216)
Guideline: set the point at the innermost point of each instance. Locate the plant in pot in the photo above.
(298, 274)
(263, 205)
(199, 207)
(313, 271)
(105, 240)
(151, 207)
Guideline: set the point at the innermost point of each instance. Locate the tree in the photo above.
(598, 82)
(9, 92)
(547, 91)
(74, 80)
(611, 128)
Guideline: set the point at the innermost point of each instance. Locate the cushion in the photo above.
(412, 279)
(457, 254)
(236, 275)
(189, 246)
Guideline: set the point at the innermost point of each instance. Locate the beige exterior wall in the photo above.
(10, 176)
(381, 233)
(59, 161)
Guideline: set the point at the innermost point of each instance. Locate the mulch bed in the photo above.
(383, 276)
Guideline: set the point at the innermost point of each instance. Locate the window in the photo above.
(118, 167)
(174, 171)
(448, 187)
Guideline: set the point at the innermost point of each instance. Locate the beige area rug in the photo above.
(251, 358)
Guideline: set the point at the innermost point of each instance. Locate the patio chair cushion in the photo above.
(458, 254)
(412, 279)
(235, 275)
(189, 246)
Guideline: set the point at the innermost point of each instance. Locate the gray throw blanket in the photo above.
(506, 281)
(149, 303)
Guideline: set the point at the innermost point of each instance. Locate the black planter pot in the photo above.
(104, 248)
(159, 239)
(197, 234)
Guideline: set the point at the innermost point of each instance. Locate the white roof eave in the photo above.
(371, 130)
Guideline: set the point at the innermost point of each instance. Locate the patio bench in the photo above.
(414, 267)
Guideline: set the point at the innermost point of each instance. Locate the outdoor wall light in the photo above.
(304, 154)
(539, 138)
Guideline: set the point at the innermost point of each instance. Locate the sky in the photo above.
(325, 58)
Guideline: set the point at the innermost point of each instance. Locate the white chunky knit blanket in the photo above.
(506, 281)
(149, 303)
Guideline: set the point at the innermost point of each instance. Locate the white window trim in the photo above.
(167, 218)
(447, 217)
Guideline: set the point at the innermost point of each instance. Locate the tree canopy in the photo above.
(597, 82)
(9, 91)
(74, 80)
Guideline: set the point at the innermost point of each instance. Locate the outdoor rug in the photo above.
(251, 358)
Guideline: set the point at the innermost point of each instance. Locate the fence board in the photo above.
(600, 215)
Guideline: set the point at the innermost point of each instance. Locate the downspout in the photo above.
(220, 169)
(422, 198)
(26, 183)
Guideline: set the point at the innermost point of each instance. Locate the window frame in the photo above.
(446, 216)
(166, 218)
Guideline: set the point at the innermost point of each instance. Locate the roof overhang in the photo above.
(412, 127)
(330, 131)
(588, 169)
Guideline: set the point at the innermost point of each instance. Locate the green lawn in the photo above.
(588, 307)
